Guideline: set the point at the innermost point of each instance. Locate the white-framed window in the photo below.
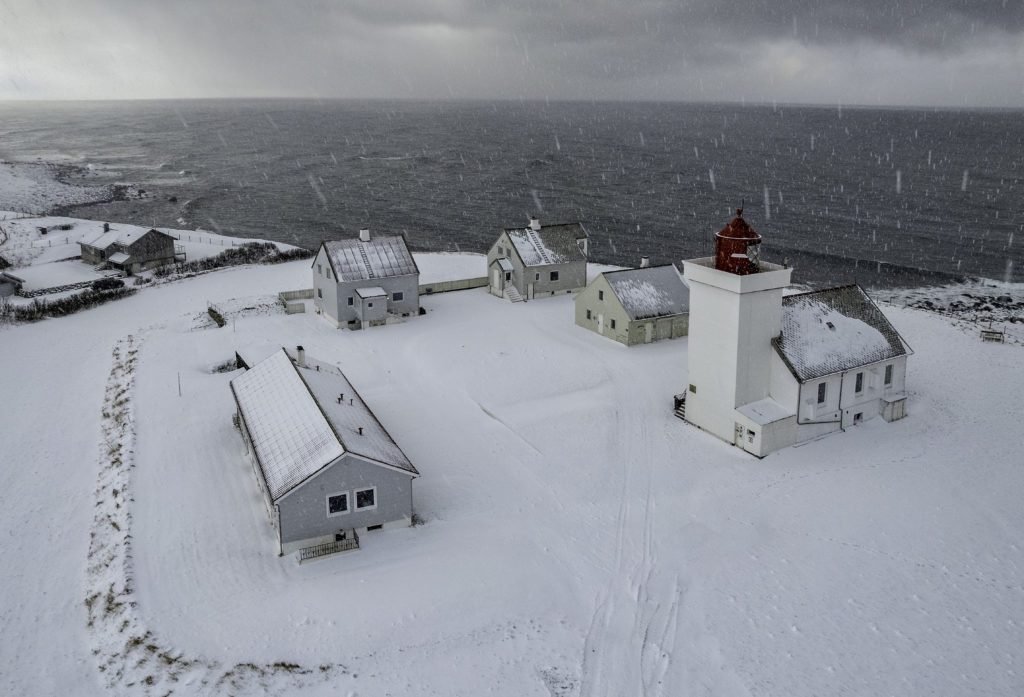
(888, 374)
(398, 296)
(859, 383)
(588, 315)
(320, 269)
(328, 272)
(537, 276)
(554, 275)
(369, 304)
(337, 504)
(351, 301)
(366, 499)
(613, 324)
(821, 393)
(600, 295)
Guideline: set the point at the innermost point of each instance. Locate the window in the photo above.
(858, 417)
(600, 295)
(371, 528)
(320, 269)
(319, 292)
(888, 374)
(351, 301)
(337, 504)
(588, 315)
(370, 304)
(859, 386)
(693, 388)
(398, 297)
(366, 498)
(328, 272)
(613, 324)
(554, 275)
(821, 393)
(536, 276)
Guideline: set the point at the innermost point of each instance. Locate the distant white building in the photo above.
(767, 371)
(537, 261)
(366, 281)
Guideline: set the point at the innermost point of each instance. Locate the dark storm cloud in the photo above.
(786, 49)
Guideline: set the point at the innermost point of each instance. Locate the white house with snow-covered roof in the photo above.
(537, 261)
(366, 281)
(766, 370)
(327, 467)
(635, 306)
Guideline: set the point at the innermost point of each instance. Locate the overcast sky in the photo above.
(918, 52)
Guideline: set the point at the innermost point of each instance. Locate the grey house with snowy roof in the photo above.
(327, 467)
(636, 306)
(130, 250)
(537, 261)
(767, 370)
(364, 282)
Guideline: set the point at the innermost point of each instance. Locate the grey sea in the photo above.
(884, 197)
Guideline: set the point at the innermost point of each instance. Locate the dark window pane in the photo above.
(337, 503)
(365, 498)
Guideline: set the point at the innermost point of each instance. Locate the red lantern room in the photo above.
(737, 247)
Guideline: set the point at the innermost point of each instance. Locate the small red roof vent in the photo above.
(736, 247)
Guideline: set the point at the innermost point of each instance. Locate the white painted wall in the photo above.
(732, 322)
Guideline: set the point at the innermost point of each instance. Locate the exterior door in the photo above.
(496, 279)
(648, 333)
(529, 293)
(600, 323)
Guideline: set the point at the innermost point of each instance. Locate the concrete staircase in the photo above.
(512, 293)
(680, 411)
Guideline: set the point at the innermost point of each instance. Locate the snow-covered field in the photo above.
(578, 538)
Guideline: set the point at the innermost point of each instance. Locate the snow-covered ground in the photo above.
(34, 188)
(23, 244)
(578, 538)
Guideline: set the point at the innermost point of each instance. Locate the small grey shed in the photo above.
(636, 306)
(327, 467)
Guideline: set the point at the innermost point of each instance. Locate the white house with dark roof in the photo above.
(766, 370)
(367, 281)
(636, 306)
(327, 467)
(537, 261)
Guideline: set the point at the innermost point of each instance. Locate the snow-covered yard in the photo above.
(578, 538)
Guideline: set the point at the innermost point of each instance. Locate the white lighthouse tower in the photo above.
(735, 312)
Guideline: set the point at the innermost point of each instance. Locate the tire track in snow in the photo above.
(619, 655)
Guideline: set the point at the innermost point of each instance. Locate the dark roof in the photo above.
(381, 257)
(739, 229)
(552, 244)
(653, 291)
(834, 330)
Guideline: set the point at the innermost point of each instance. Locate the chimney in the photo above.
(534, 223)
(301, 353)
(341, 398)
(645, 262)
(364, 235)
(106, 227)
(360, 430)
